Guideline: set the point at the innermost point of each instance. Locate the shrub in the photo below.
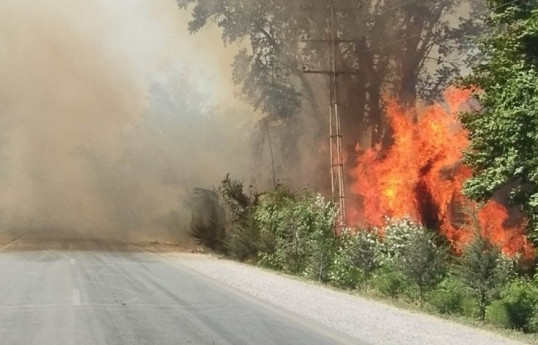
(355, 260)
(234, 201)
(223, 220)
(421, 261)
(271, 215)
(311, 242)
(412, 251)
(362, 252)
(208, 219)
(241, 231)
(470, 305)
(388, 282)
(521, 301)
(448, 297)
(322, 246)
(396, 235)
(342, 273)
(517, 307)
(532, 326)
(243, 240)
(483, 269)
(297, 232)
(497, 314)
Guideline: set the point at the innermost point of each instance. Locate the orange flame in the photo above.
(421, 176)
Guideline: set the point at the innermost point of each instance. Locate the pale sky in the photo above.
(148, 37)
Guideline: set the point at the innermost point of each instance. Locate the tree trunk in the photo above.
(482, 306)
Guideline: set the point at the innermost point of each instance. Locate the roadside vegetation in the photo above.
(293, 230)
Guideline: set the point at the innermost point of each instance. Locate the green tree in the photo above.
(504, 129)
(411, 250)
(422, 261)
(407, 49)
(483, 269)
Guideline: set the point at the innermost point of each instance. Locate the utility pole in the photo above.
(271, 151)
(335, 128)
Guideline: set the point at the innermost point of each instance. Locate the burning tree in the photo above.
(410, 158)
(422, 175)
(408, 49)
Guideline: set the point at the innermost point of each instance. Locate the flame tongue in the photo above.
(421, 176)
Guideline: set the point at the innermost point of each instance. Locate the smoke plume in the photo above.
(109, 115)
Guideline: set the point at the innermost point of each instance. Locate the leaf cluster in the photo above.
(503, 131)
(301, 229)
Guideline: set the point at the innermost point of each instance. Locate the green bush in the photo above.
(448, 297)
(498, 315)
(208, 219)
(294, 232)
(355, 260)
(411, 250)
(396, 235)
(271, 215)
(223, 219)
(532, 326)
(519, 302)
(362, 252)
(243, 240)
(342, 273)
(297, 231)
(484, 270)
(389, 283)
(234, 201)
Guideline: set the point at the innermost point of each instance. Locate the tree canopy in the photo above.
(504, 129)
(406, 49)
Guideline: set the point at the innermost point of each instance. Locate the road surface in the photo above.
(90, 292)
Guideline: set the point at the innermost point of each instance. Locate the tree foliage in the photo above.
(301, 227)
(293, 232)
(504, 130)
(412, 250)
(517, 306)
(422, 261)
(484, 270)
(208, 218)
(407, 49)
(356, 260)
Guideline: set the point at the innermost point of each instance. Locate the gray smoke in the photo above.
(103, 132)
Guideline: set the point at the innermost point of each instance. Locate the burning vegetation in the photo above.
(421, 176)
(449, 191)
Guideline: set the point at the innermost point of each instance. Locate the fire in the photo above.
(421, 176)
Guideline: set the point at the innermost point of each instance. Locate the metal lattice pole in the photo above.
(335, 128)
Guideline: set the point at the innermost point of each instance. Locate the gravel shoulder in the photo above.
(367, 320)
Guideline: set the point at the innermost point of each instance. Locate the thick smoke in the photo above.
(102, 131)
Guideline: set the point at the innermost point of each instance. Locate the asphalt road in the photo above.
(90, 292)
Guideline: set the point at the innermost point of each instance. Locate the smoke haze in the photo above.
(110, 113)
